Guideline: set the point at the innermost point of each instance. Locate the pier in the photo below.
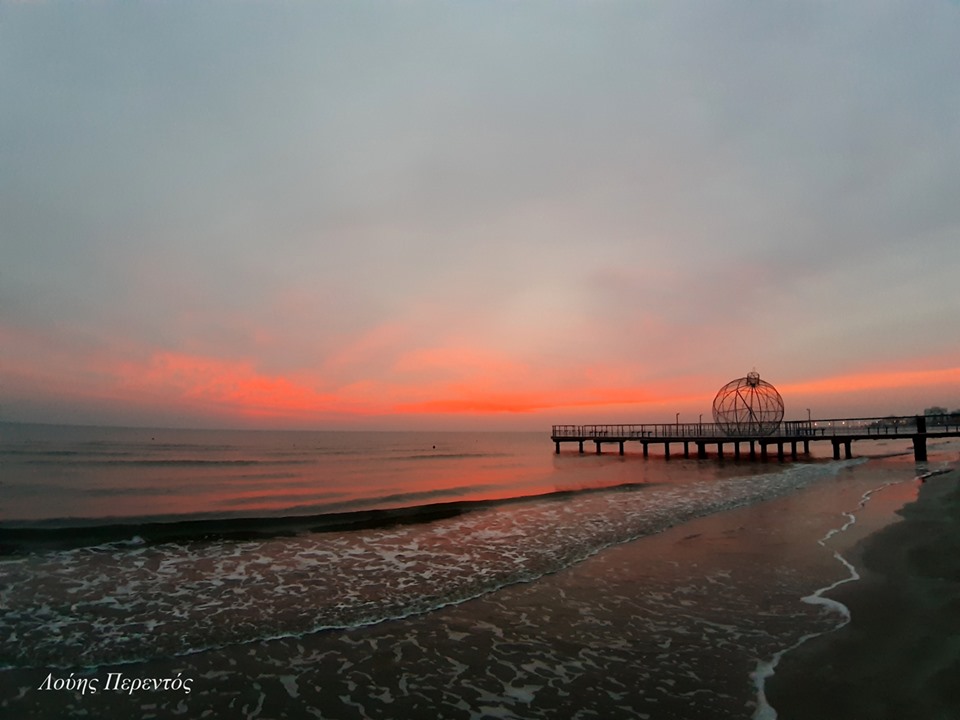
(790, 437)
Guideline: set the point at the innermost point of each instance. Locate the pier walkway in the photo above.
(790, 434)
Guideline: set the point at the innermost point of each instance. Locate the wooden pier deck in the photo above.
(789, 436)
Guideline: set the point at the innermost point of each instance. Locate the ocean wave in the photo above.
(148, 462)
(150, 599)
(54, 534)
(451, 456)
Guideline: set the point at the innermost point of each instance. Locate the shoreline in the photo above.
(898, 656)
(667, 626)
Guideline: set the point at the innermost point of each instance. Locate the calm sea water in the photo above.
(541, 512)
(138, 546)
(81, 475)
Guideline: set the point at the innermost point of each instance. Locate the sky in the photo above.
(475, 215)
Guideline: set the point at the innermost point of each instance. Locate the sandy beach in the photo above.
(899, 657)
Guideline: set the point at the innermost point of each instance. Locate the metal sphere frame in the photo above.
(748, 406)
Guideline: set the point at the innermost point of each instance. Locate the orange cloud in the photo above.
(877, 380)
(453, 380)
(375, 377)
(369, 346)
(455, 358)
(226, 384)
(466, 399)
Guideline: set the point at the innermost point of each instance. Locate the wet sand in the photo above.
(900, 655)
(670, 626)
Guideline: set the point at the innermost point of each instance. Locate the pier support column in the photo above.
(763, 451)
(702, 450)
(720, 450)
(836, 449)
(736, 450)
(806, 447)
(919, 448)
(666, 450)
(621, 447)
(686, 448)
(646, 450)
(793, 449)
(847, 452)
(753, 450)
(780, 451)
(581, 447)
(598, 446)
(558, 448)
(920, 440)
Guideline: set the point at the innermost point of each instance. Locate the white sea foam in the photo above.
(210, 594)
(765, 669)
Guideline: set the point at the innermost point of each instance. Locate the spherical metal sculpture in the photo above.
(748, 406)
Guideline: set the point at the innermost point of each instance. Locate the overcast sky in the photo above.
(475, 214)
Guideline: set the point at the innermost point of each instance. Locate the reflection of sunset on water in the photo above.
(140, 474)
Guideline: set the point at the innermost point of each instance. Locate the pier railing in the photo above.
(890, 426)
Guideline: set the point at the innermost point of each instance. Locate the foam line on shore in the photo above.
(767, 668)
(20, 538)
(351, 579)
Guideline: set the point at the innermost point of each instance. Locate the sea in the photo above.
(392, 574)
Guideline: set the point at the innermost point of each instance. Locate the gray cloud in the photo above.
(271, 181)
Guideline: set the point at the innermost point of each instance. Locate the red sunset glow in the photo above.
(438, 230)
(454, 386)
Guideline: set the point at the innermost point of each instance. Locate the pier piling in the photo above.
(920, 440)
